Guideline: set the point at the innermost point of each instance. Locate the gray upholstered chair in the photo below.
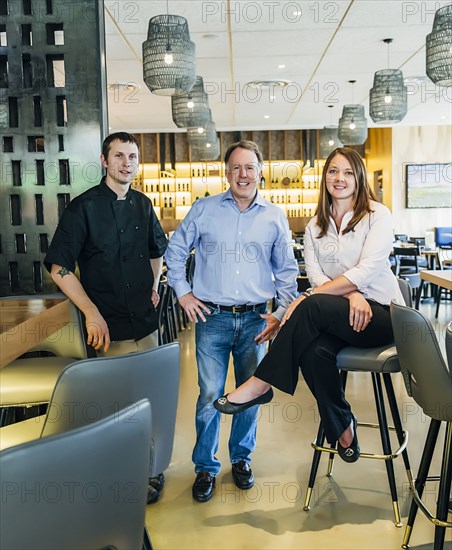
(380, 363)
(81, 489)
(30, 381)
(428, 380)
(91, 389)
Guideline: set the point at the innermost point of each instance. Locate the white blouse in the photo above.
(362, 255)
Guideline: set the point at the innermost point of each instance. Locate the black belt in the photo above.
(235, 309)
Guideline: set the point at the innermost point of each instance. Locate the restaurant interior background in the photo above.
(277, 72)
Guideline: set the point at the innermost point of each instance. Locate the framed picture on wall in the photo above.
(428, 185)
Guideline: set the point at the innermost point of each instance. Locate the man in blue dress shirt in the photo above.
(244, 258)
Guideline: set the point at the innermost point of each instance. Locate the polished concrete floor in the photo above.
(350, 510)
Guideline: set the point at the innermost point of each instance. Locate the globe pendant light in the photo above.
(191, 109)
(388, 96)
(353, 123)
(329, 139)
(439, 48)
(169, 56)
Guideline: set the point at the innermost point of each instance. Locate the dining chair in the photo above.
(83, 489)
(29, 381)
(428, 380)
(380, 362)
(91, 389)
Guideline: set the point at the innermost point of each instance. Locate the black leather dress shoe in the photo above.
(350, 454)
(203, 486)
(153, 495)
(157, 482)
(227, 407)
(243, 475)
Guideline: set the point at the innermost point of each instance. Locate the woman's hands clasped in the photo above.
(360, 311)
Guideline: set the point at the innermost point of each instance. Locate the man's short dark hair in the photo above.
(123, 137)
(244, 144)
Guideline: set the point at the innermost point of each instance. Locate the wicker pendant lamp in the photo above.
(169, 56)
(329, 138)
(207, 151)
(191, 109)
(439, 48)
(198, 137)
(353, 123)
(388, 102)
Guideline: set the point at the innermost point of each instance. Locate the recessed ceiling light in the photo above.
(268, 83)
(281, 66)
(123, 86)
(266, 116)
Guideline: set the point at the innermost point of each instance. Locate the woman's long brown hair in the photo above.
(362, 196)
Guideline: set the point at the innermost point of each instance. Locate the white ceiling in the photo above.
(328, 44)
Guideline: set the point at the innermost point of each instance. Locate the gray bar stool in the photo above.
(380, 362)
(428, 381)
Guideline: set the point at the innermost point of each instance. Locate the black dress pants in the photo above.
(311, 339)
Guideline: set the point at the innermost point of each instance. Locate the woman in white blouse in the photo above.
(347, 246)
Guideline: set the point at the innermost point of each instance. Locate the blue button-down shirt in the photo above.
(241, 257)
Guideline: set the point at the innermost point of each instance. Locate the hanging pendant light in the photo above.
(199, 136)
(353, 123)
(169, 56)
(329, 139)
(207, 151)
(191, 109)
(388, 97)
(439, 48)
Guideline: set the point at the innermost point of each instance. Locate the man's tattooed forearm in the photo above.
(63, 271)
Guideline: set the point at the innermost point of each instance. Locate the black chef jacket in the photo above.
(112, 241)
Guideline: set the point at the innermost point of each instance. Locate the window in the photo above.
(3, 71)
(36, 144)
(61, 110)
(27, 37)
(8, 144)
(56, 77)
(55, 34)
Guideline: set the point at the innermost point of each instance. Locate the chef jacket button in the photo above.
(121, 230)
(128, 285)
(141, 256)
(132, 314)
(136, 228)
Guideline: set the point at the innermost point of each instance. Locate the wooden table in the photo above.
(26, 322)
(439, 277)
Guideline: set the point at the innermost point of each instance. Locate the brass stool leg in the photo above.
(386, 443)
(397, 423)
(419, 484)
(444, 489)
(314, 467)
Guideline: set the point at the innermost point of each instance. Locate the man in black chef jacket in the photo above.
(112, 232)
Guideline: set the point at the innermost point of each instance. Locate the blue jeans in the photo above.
(224, 333)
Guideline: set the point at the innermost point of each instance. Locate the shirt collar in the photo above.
(109, 192)
(257, 200)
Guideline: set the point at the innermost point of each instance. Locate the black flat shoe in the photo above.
(350, 454)
(224, 406)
